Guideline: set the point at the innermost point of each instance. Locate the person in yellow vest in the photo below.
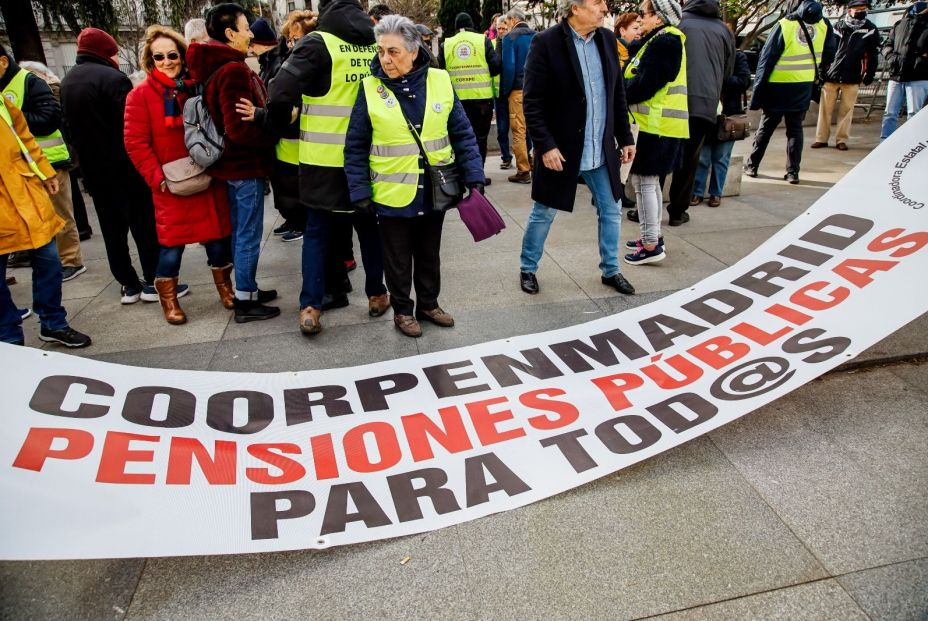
(784, 79)
(323, 73)
(34, 97)
(386, 171)
(28, 222)
(471, 61)
(656, 91)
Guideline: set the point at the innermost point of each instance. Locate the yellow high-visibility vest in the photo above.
(666, 113)
(466, 63)
(795, 64)
(53, 145)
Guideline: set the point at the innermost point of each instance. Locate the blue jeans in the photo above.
(502, 128)
(218, 254)
(715, 155)
(246, 203)
(46, 295)
(913, 93)
(608, 212)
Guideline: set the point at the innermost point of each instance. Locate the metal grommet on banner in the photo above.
(321, 542)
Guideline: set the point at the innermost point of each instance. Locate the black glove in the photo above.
(364, 206)
(476, 187)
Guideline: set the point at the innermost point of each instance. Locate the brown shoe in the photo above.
(522, 177)
(695, 200)
(819, 145)
(222, 277)
(714, 201)
(377, 305)
(841, 146)
(167, 295)
(310, 320)
(436, 316)
(408, 325)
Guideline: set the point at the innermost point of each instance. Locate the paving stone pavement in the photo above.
(813, 507)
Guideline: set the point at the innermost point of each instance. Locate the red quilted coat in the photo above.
(152, 141)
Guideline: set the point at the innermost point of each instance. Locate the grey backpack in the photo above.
(203, 140)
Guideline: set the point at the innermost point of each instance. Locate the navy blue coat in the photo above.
(410, 93)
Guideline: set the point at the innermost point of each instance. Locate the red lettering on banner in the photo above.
(324, 457)
(388, 447)
(485, 422)
(419, 428)
(116, 454)
(38, 446)
(758, 335)
(789, 314)
(615, 392)
(905, 246)
(566, 412)
(678, 363)
(218, 470)
(291, 470)
(719, 352)
(804, 296)
(859, 272)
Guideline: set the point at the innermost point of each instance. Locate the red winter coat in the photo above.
(150, 143)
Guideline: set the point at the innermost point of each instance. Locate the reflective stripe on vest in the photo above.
(466, 63)
(53, 145)
(394, 156)
(666, 114)
(288, 151)
(22, 147)
(324, 120)
(796, 65)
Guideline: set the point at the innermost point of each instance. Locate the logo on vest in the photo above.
(464, 51)
(436, 106)
(10, 97)
(390, 102)
(801, 36)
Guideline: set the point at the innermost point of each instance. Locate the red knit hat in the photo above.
(97, 43)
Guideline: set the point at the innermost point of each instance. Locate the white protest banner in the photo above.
(103, 460)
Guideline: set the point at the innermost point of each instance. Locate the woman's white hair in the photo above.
(40, 70)
(399, 25)
(195, 30)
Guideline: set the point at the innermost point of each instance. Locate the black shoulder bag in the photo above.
(818, 82)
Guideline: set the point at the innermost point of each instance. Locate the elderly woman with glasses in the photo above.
(154, 137)
(386, 170)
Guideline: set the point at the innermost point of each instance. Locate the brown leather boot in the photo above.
(222, 276)
(408, 325)
(167, 294)
(310, 320)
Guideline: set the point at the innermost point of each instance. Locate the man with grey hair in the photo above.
(195, 31)
(577, 114)
(514, 52)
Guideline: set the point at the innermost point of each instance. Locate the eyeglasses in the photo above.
(170, 56)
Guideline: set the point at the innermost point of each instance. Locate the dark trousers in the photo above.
(128, 212)
(480, 114)
(768, 123)
(46, 295)
(77, 201)
(412, 257)
(681, 187)
(501, 105)
(285, 181)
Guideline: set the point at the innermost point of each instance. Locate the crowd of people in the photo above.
(360, 123)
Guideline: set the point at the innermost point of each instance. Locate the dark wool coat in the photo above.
(554, 101)
(906, 48)
(150, 143)
(249, 150)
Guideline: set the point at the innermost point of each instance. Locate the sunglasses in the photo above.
(170, 56)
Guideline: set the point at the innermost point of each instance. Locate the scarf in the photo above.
(852, 23)
(171, 87)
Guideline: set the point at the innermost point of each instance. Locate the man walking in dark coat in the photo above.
(576, 113)
(710, 58)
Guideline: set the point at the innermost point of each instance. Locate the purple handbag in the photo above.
(479, 216)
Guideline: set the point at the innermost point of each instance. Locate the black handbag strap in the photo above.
(809, 42)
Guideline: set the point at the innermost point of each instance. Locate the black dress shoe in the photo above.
(619, 283)
(683, 218)
(749, 170)
(265, 296)
(632, 215)
(333, 301)
(792, 178)
(528, 282)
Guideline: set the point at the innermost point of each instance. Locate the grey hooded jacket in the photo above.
(710, 56)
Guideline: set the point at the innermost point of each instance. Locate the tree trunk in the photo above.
(22, 30)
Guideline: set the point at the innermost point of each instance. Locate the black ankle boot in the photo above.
(253, 310)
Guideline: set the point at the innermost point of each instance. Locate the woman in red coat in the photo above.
(154, 135)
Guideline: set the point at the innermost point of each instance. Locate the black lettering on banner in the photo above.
(735, 302)
(679, 422)
(602, 349)
(616, 442)
(752, 379)
(50, 394)
(805, 255)
(856, 227)
(806, 341)
(265, 515)
(299, 404)
(139, 405)
(445, 384)
(537, 365)
(569, 445)
(336, 509)
(221, 408)
(373, 393)
(660, 339)
(505, 480)
(406, 495)
(758, 279)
